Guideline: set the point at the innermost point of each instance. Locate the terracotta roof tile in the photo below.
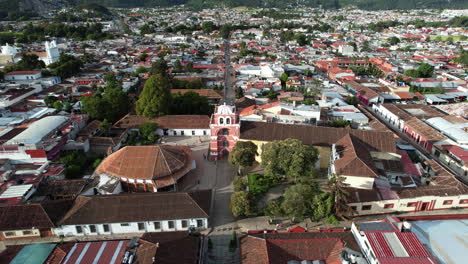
(147, 162)
(315, 135)
(137, 207)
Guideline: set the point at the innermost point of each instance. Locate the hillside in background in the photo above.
(18, 9)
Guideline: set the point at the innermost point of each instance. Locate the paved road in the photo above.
(229, 93)
(222, 221)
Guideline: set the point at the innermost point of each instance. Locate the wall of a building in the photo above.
(401, 205)
(131, 227)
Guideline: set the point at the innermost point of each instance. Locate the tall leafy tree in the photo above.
(155, 100)
(298, 200)
(289, 158)
(243, 154)
(242, 204)
(190, 103)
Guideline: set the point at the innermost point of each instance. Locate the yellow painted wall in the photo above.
(324, 153)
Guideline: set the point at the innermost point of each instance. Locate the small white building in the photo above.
(136, 213)
(23, 75)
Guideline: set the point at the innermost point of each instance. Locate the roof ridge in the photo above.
(165, 160)
(206, 213)
(74, 208)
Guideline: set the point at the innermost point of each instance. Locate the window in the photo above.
(388, 206)
(79, 230)
(27, 233)
(221, 120)
(204, 132)
(366, 207)
(170, 224)
(125, 224)
(193, 132)
(141, 226)
(199, 223)
(228, 121)
(225, 144)
(106, 228)
(411, 205)
(157, 225)
(184, 223)
(448, 202)
(9, 234)
(175, 133)
(464, 201)
(92, 228)
(354, 208)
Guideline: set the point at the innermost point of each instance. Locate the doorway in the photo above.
(424, 206)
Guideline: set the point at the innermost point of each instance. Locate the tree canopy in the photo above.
(111, 105)
(67, 66)
(243, 154)
(28, 62)
(424, 70)
(155, 100)
(190, 103)
(241, 204)
(289, 158)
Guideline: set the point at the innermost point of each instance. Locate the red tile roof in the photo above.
(22, 72)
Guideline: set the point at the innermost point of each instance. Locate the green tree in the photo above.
(112, 105)
(159, 67)
(289, 158)
(239, 93)
(148, 133)
(352, 100)
(240, 184)
(225, 31)
(105, 125)
(67, 66)
(243, 154)
(190, 103)
(274, 208)
(178, 66)
(50, 100)
(242, 204)
(298, 200)
(67, 107)
(155, 100)
(58, 106)
(393, 40)
(337, 186)
(463, 58)
(28, 62)
(284, 78)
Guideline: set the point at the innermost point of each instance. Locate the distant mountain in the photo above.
(15, 9)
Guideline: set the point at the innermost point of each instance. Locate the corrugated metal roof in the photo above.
(33, 254)
(16, 191)
(38, 130)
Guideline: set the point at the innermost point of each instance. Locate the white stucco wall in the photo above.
(186, 132)
(359, 182)
(401, 205)
(131, 227)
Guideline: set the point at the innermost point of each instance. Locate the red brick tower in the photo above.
(225, 131)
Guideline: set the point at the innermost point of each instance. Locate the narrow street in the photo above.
(229, 93)
(222, 221)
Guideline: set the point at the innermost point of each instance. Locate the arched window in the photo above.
(221, 120)
(225, 132)
(228, 120)
(225, 144)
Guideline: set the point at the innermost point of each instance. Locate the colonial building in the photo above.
(136, 213)
(144, 168)
(225, 130)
